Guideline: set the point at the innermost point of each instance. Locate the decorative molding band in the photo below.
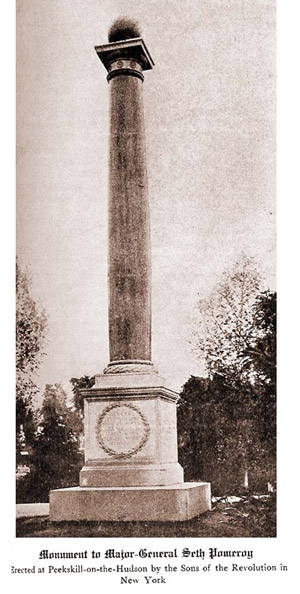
(125, 72)
(127, 366)
(138, 393)
(123, 66)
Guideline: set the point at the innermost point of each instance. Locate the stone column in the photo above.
(125, 58)
(129, 227)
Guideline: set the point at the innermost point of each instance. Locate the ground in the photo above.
(249, 517)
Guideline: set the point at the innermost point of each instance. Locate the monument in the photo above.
(131, 469)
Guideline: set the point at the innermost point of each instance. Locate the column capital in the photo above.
(123, 66)
(129, 50)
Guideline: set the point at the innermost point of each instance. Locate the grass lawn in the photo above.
(251, 517)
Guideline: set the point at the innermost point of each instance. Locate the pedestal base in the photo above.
(130, 475)
(175, 503)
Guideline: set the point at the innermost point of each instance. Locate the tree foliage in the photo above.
(227, 421)
(226, 320)
(56, 458)
(260, 353)
(221, 437)
(31, 324)
(78, 384)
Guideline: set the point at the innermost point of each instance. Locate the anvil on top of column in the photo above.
(125, 40)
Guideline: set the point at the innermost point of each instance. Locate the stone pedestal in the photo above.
(131, 470)
(130, 432)
(175, 503)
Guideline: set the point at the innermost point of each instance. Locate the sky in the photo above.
(210, 132)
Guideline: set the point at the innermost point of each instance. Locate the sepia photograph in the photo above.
(146, 269)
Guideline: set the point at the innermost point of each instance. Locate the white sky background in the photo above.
(210, 129)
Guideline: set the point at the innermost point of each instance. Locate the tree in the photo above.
(260, 354)
(78, 384)
(260, 360)
(56, 458)
(31, 324)
(218, 437)
(226, 320)
(228, 419)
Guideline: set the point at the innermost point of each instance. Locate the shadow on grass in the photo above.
(252, 518)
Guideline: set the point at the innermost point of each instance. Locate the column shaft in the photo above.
(129, 225)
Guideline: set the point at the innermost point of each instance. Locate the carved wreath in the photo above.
(131, 451)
